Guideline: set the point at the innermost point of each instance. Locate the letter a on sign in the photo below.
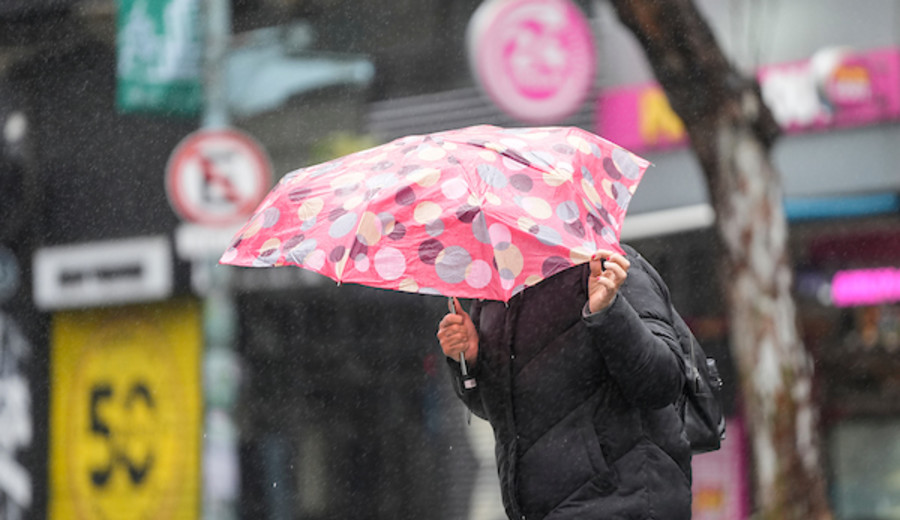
(217, 177)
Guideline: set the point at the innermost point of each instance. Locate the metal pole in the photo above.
(221, 367)
(217, 35)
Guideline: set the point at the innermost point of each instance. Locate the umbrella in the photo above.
(476, 212)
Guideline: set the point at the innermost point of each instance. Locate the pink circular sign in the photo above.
(534, 58)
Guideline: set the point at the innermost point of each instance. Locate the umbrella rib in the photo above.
(515, 157)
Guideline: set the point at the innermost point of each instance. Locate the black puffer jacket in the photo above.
(582, 406)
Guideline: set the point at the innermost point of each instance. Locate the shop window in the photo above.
(875, 328)
(865, 467)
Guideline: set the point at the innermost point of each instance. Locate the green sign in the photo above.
(159, 57)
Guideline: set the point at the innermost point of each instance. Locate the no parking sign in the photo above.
(217, 177)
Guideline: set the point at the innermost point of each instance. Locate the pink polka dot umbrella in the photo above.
(478, 212)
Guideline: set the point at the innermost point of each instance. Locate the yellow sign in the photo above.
(658, 122)
(125, 413)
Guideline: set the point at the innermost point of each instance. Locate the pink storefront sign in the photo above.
(836, 88)
(720, 486)
(639, 117)
(855, 287)
(533, 58)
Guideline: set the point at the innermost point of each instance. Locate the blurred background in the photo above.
(138, 379)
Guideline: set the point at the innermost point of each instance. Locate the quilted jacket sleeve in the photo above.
(638, 341)
(471, 397)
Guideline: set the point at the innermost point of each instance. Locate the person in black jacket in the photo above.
(580, 377)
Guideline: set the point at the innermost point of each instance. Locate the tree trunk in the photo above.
(731, 132)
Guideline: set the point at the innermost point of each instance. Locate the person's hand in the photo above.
(608, 272)
(457, 334)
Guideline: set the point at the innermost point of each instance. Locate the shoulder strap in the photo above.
(684, 333)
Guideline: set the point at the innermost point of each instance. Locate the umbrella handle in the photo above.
(467, 380)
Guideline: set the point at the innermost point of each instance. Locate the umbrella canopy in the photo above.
(478, 212)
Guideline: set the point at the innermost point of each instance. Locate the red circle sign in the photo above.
(217, 177)
(533, 58)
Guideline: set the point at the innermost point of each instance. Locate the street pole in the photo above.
(217, 35)
(221, 367)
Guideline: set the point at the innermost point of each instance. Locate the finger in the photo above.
(453, 343)
(450, 320)
(450, 349)
(459, 308)
(615, 272)
(449, 335)
(602, 253)
(620, 260)
(599, 260)
(449, 341)
(606, 280)
(455, 333)
(597, 266)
